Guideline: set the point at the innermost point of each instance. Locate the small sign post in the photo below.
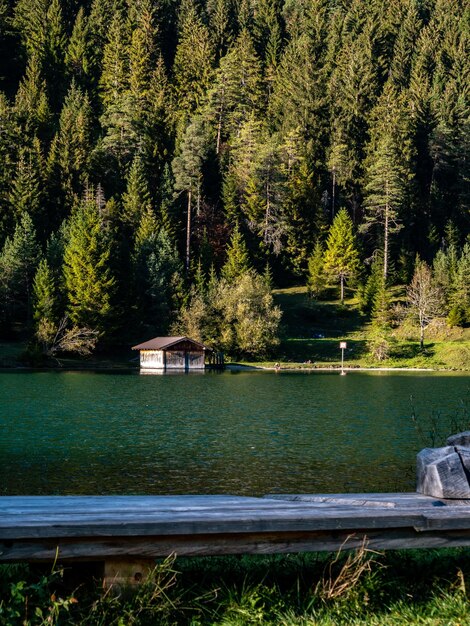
(343, 345)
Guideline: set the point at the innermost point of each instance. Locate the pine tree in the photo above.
(389, 168)
(341, 256)
(26, 187)
(157, 275)
(379, 342)
(114, 77)
(136, 200)
(18, 262)
(187, 170)
(459, 297)
(44, 294)
(220, 24)
(79, 57)
(8, 142)
(69, 157)
(30, 20)
(237, 93)
(193, 64)
(352, 93)
(238, 260)
(89, 283)
(316, 278)
(31, 102)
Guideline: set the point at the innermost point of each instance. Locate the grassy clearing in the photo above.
(408, 587)
(312, 331)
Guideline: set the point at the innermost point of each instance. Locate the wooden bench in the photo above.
(127, 533)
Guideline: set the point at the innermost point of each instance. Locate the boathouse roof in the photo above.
(164, 343)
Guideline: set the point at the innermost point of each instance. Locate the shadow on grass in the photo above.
(413, 350)
(305, 318)
(323, 350)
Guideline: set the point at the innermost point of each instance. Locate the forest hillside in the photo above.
(165, 163)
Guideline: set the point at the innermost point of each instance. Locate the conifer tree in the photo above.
(187, 170)
(136, 200)
(69, 155)
(238, 260)
(18, 262)
(237, 92)
(89, 283)
(79, 57)
(193, 64)
(157, 274)
(114, 77)
(31, 102)
(379, 342)
(316, 278)
(25, 192)
(352, 93)
(44, 294)
(389, 168)
(220, 24)
(341, 256)
(8, 142)
(30, 19)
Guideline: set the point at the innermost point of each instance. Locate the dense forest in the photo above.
(165, 163)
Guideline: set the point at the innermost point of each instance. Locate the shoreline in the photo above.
(333, 368)
(235, 367)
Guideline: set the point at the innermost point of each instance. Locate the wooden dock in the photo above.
(107, 528)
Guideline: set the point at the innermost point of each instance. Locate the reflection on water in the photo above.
(236, 432)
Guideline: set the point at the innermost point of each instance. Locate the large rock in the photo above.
(461, 439)
(445, 472)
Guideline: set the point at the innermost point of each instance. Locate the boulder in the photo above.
(461, 439)
(445, 472)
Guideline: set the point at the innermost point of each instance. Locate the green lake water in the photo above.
(244, 433)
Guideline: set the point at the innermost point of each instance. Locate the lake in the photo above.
(246, 433)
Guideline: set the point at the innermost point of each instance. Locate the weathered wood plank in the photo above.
(103, 527)
(214, 545)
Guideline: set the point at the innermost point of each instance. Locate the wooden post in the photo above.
(120, 573)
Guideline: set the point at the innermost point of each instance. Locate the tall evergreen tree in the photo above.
(193, 64)
(69, 157)
(44, 294)
(238, 260)
(136, 200)
(89, 282)
(187, 170)
(79, 57)
(341, 256)
(389, 169)
(18, 262)
(26, 187)
(31, 102)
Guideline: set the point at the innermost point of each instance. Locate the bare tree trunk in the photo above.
(386, 229)
(219, 133)
(188, 232)
(267, 215)
(333, 195)
(342, 288)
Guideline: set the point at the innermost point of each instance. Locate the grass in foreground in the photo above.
(408, 587)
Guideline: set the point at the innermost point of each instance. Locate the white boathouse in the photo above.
(180, 353)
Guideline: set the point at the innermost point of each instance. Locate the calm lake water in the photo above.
(234, 432)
